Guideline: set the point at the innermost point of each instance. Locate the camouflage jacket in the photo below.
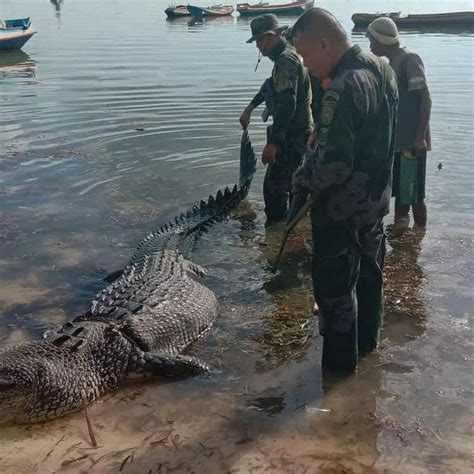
(349, 176)
(288, 97)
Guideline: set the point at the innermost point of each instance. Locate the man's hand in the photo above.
(311, 143)
(420, 147)
(269, 154)
(245, 117)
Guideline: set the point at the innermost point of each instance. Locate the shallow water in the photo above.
(114, 119)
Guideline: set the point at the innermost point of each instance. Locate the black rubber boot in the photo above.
(340, 352)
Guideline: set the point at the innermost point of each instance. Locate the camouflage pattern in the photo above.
(317, 93)
(287, 95)
(348, 287)
(292, 118)
(349, 178)
(266, 94)
(277, 182)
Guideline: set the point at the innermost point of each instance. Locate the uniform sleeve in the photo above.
(260, 96)
(258, 99)
(416, 73)
(333, 161)
(285, 83)
(317, 93)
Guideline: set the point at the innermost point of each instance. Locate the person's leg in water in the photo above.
(370, 287)
(420, 213)
(402, 211)
(336, 259)
(401, 221)
(402, 217)
(276, 192)
(277, 182)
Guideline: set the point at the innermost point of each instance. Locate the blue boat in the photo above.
(15, 33)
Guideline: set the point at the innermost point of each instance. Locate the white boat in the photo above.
(15, 33)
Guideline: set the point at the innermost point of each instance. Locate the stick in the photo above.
(91, 431)
(288, 230)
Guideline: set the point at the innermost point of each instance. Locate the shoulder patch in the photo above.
(281, 80)
(330, 100)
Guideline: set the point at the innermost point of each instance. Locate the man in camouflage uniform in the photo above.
(349, 180)
(288, 97)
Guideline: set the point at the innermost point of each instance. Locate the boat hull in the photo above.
(254, 10)
(209, 12)
(436, 20)
(15, 40)
(179, 11)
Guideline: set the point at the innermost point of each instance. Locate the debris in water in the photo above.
(125, 462)
(67, 462)
(91, 431)
(313, 410)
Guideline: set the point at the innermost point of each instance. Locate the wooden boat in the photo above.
(294, 8)
(15, 33)
(216, 10)
(177, 11)
(438, 20)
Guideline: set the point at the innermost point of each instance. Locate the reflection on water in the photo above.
(193, 21)
(57, 4)
(270, 405)
(107, 131)
(404, 283)
(17, 62)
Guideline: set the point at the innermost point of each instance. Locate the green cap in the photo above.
(264, 24)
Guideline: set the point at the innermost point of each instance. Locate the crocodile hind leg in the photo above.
(156, 364)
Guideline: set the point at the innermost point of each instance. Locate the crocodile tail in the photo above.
(209, 211)
(248, 162)
(177, 234)
(220, 204)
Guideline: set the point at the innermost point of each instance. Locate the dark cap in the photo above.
(264, 24)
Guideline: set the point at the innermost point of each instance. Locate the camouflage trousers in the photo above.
(348, 287)
(277, 182)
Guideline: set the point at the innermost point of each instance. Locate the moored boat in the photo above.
(428, 20)
(294, 8)
(216, 10)
(15, 33)
(177, 11)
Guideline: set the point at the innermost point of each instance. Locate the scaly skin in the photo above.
(137, 326)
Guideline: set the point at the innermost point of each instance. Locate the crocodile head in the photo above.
(30, 386)
(45, 379)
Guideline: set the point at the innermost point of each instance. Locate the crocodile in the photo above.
(139, 326)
